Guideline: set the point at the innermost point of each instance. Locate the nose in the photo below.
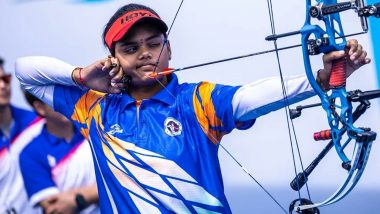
(145, 52)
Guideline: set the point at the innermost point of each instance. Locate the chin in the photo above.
(4, 103)
(144, 81)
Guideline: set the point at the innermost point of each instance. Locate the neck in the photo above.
(60, 129)
(140, 93)
(5, 117)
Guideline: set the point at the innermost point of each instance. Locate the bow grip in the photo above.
(338, 74)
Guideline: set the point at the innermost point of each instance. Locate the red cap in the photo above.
(121, 26)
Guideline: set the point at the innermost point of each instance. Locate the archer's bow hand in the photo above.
(355, 55)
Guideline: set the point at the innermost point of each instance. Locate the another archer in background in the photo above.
(156, 141)
(17, 128)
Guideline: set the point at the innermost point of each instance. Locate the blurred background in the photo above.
(208, 30)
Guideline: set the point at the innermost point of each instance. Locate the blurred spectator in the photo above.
(17, 128)
(57, 166)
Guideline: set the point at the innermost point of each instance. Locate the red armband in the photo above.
(80, 82)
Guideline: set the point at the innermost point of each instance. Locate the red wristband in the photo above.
(81, 80)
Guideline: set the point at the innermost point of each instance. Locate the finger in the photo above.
(113, 70)
(114, 67)
(334, 55)
(119, 86)
(358, 52)
(362, 59)
(52, 199)
(118, 76)
(352, 45)
(107, 64)
(115, 88)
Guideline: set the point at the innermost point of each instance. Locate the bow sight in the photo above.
(321, 10)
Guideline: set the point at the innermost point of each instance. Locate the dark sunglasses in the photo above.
(6, 78)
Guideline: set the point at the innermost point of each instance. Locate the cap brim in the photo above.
(124, 23)
(158, 22)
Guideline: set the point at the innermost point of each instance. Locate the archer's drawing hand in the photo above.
(104, 75)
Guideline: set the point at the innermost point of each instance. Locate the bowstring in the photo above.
(290, 123)
(208, 132)
(167, 36)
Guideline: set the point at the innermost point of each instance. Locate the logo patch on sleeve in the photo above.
(172, 127)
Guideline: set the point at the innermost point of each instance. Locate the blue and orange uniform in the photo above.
(157, 155)
(148, 153)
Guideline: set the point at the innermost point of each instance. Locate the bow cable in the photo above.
(290, 123)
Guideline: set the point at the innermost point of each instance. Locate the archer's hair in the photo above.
(1, 62)
(121, 11)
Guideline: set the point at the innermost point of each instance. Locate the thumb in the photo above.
(332, 56)
(52, 199)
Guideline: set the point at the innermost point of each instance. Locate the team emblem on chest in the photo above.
(172, 127)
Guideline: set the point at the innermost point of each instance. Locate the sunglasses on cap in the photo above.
(6, 78)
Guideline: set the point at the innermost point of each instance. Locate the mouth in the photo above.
(147, 67)
(4, 96)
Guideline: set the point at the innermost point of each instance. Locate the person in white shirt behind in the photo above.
(57, 166)
(17, 127)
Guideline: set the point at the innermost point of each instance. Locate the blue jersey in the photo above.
(25, 126)
(21, 119)
(158, 155)
(50, 165)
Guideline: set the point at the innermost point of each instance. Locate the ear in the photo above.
(40, 108)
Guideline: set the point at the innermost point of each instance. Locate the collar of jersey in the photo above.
(19, 121)
(55, 140)
(166, 95)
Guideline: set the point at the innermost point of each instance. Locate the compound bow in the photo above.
(337, 104)
(318, 39)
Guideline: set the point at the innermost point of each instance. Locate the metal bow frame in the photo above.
(324, 37)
